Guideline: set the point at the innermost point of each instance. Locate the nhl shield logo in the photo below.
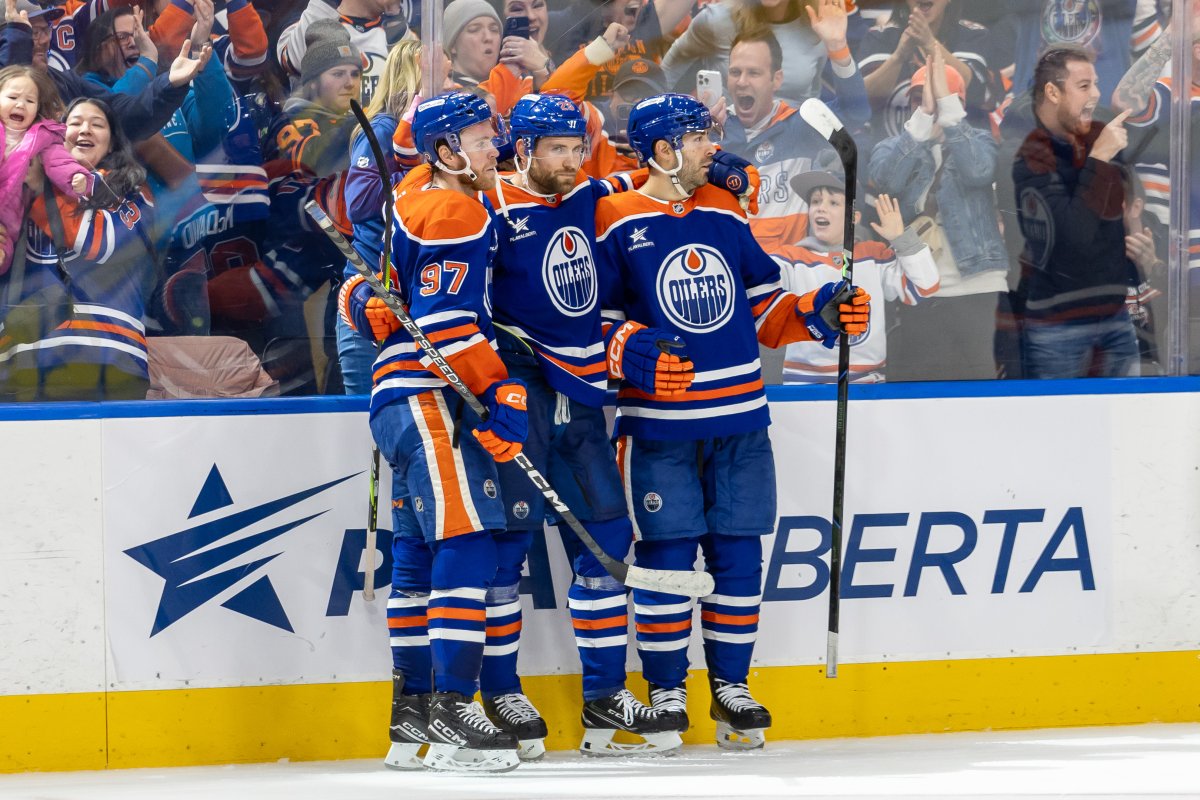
(418, 504)
(489, 488)
(569, 273)
(520, 509)
(677, 208)
(652, 502)
(695, 288)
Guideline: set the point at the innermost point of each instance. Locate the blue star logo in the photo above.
(181, 558)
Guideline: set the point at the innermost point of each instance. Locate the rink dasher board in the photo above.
(169, 556)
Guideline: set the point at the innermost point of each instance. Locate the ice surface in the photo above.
(1160, 761)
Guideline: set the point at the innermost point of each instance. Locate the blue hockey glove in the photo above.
(737, 176)
(507, 424)
(833, 309)
(364, 311)
(650, 359)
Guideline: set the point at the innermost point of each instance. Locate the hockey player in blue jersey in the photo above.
(445, 499)
(697, 466)
(545, 295)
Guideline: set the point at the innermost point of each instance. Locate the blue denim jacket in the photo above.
(904, 168)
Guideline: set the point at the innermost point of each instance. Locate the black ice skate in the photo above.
(623, 712)
(514, 713)
(462, 739)
(410, 717)
(741, 720)
(673, 704)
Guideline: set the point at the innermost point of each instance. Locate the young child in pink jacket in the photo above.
(28, 104)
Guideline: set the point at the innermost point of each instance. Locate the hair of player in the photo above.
(1053, 67)
(766, 37)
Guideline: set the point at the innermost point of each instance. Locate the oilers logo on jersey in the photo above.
(1071, 22)
(569, 272)
(695, 288)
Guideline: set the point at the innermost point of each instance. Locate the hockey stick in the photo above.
(826, 123)
(369, 545)
(690, 584)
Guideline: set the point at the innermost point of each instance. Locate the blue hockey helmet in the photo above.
(538, 115)
(445, 116)
(668, 117)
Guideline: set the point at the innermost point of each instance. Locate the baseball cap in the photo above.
(643, 71)
(954, 82)
(34, 11)
(806, 183)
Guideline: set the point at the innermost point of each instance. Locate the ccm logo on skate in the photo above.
(695, 288)
(945, 542)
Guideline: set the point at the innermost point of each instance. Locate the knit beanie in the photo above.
(458, 15)
(327, 48)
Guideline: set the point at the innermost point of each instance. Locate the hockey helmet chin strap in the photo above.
(530, 143)
(453, 143)
(673, 174)
(526, 184)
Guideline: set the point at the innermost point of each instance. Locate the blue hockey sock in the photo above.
(463, 566)
(729, 616)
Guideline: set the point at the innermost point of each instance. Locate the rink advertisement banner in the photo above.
(233, 545)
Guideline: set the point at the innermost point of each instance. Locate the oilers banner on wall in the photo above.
(233, 545)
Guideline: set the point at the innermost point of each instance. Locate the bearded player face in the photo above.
(555, 163)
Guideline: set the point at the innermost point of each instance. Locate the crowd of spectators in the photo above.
(1013, 171)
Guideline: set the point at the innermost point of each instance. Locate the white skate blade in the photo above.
(599, 742)
(729, 738)
(531, 749)
(452, 758)
(403, 755)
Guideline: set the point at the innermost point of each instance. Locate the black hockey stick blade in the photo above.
(691, 584)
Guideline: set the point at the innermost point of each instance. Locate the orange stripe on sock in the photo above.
(600, 624)
(407, 622)
(449, 612)
(664, 627)
(729, 619)
(504, 630)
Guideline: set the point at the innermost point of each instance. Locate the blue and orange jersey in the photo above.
(107, 258)
(545, 283)
(443, 246)
(691, 267)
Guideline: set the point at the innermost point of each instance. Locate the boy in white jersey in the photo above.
(903, 271)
